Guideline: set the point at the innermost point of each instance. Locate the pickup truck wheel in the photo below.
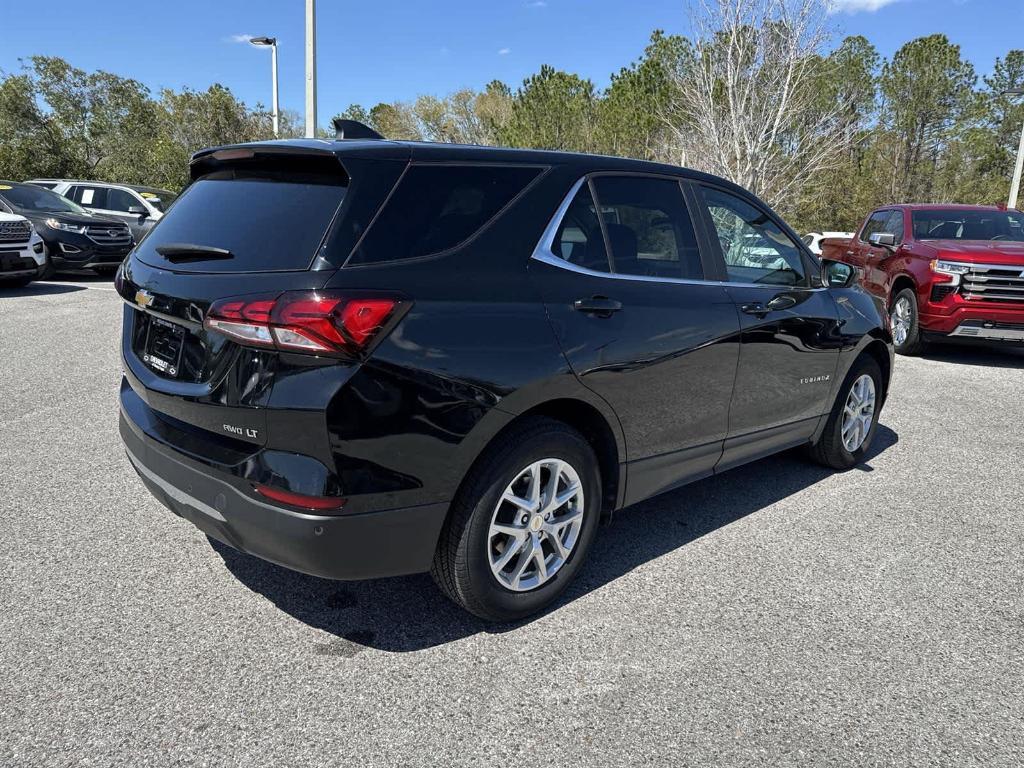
(521, 526)
(906, 334)
(851, 424)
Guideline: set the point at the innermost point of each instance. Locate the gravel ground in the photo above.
(776, 615)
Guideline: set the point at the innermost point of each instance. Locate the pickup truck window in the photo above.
(954, 224)
(888, 221)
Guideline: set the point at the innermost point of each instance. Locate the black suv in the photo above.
(365, 358)
(73, 237)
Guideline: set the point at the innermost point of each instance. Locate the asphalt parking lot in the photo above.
(778, 614)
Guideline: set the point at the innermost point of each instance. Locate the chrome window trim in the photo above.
(545, 254)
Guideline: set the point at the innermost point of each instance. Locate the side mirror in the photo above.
(138, 210)
(882, 239)
(836, 274)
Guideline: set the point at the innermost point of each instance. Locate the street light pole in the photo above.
(272, 43)
(1019, 166)
(310, 69)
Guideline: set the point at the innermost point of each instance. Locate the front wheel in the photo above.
(522, 524)
(906, 331)
(854, 418)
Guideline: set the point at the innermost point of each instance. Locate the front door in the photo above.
(623, 282)
(790, 341)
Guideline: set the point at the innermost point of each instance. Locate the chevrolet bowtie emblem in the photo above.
(143, 298)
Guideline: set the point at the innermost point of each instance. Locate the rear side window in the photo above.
(649, 230)
(266, 222)
(438, 207)
(579, 240)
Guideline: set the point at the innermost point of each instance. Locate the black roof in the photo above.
(441, 152)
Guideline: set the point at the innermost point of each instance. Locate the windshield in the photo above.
(953, 224)
(31, 198)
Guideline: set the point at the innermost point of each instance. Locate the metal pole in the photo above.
(310, 69)
(273, 75)
(1015, 184)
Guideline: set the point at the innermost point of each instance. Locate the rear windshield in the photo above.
(954, 224)
(438, 207)
(268, 223)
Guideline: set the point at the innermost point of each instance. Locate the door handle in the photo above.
(780, 302)
(760, 309)
(756, 308)
(601, 306)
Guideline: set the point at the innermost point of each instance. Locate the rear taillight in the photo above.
(317, 503)
(315, 322)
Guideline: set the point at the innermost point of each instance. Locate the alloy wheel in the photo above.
(858, 412)
(535, 525)
(901, 317)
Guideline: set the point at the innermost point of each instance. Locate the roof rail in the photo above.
(353, 129)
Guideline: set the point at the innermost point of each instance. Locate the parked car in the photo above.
(21, 251)
(72, 237)
(368, 358)
(813, 239)
(944, 271)
(138, 207)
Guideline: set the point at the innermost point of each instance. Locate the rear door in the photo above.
(789, 348)
(624, 285)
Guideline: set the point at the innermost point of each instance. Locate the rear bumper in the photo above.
(354, 546)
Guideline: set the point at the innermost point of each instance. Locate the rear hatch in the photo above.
(252, 224)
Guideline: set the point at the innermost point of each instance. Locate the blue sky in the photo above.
(381, 50)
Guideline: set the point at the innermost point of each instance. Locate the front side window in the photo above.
(438, 207)
(119, 200)
(755, 249)
(957, 224)
(875, 223)
(648, 227)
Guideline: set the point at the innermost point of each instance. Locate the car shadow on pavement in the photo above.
(409, 613)
(965, 354)
(39, 289)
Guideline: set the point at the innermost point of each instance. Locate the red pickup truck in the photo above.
(944, 271)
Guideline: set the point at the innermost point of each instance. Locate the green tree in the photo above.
(552, 110)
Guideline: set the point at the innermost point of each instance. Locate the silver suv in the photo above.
(138, 207)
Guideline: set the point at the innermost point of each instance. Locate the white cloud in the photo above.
(239, 38)
(504, 51)
(856, 6)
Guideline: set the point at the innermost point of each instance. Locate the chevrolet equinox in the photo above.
(361, 358)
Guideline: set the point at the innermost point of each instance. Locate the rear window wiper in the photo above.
(179, 252)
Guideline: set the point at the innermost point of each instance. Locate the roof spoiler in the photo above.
(353, 129)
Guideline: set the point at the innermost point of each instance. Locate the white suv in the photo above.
(21, 251)
(138, 207)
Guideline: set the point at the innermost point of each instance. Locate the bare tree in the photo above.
(748, 104)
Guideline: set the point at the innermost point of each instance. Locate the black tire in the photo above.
(830, 449)
(461, 567)
(914, 344)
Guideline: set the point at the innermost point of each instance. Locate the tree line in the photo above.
(759, 93)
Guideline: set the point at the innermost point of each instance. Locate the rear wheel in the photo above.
(903, 316)
(522, 524)
(854, 418)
